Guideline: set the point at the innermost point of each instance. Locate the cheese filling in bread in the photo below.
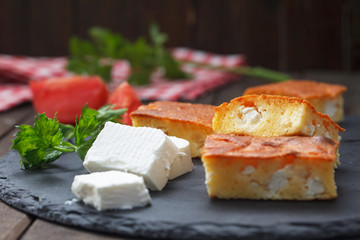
(326, 98)
(192, 122)
(270, 115)
(286, 168)
(333, 107)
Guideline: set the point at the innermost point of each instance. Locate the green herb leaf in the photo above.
(84, 128)
(172, 68)
(107, 113)
(87, 128)
(107, 44)
(96, 57)
(164, 59)
(67, 131)
(158, 38)
(84, 147)
(38, 145)
(90, 124)
(44, 142)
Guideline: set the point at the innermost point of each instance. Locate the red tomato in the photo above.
(125, 96)
(67, 96)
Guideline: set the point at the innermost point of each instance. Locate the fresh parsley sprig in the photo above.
(97, 56)
(45, 141)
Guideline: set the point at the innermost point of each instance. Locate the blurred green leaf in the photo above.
(96, 56)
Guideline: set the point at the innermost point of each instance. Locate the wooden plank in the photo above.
(313, 34)
(50, 27)
(14, 116)
(248, 27)
(351, 35)
(12, 222)
(5, 140)
(131, 18)
(14, 25)
(46, 230)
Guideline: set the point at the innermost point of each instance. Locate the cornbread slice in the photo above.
(278, 168)
(271, 115)
(184, 120)
(326, 98)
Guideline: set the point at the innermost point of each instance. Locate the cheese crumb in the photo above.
(330, 108)
(248, 170)
(278, 180)
(249, 115)
(315, 186)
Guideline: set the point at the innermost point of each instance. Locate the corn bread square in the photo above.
(278, 168)
(326, 98)
(192, 122)
(271, 115)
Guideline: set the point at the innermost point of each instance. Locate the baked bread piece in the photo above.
(279, 168)
(326, 98)
(184, 120)
(271, 115)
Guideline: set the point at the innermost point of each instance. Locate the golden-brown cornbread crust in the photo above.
(247, 147)
(199, 114)
(305, 89)
(277, 168)
(192, 122)
(221, 123)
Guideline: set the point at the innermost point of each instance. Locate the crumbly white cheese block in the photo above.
(111, 190)
(183, 161)
(144, 151)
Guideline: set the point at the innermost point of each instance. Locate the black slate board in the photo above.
(184, 211)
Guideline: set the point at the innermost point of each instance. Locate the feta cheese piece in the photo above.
(315, 186)
(248, 170)
(183, 161)
(279, 180)
(249, 115)
(331, 108)
(309, 130)
(143, 151)
(111, 190)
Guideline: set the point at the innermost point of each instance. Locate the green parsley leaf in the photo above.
(172, 68)
(84, 147)
(91, 123)
(84, 128)
(158, 38)
(67, 131)
(106, 43)
(164, 59)
(44, 142)
(38, 145)
(97, 56)
(107, 113)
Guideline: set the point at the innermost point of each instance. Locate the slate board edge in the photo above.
(113, 222)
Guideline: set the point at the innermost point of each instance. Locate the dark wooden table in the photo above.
(15, 224)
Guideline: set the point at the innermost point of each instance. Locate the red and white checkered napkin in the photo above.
(16, 71)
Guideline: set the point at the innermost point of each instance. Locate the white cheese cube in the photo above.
(111, 190)
(183, 161)
(143, 151)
